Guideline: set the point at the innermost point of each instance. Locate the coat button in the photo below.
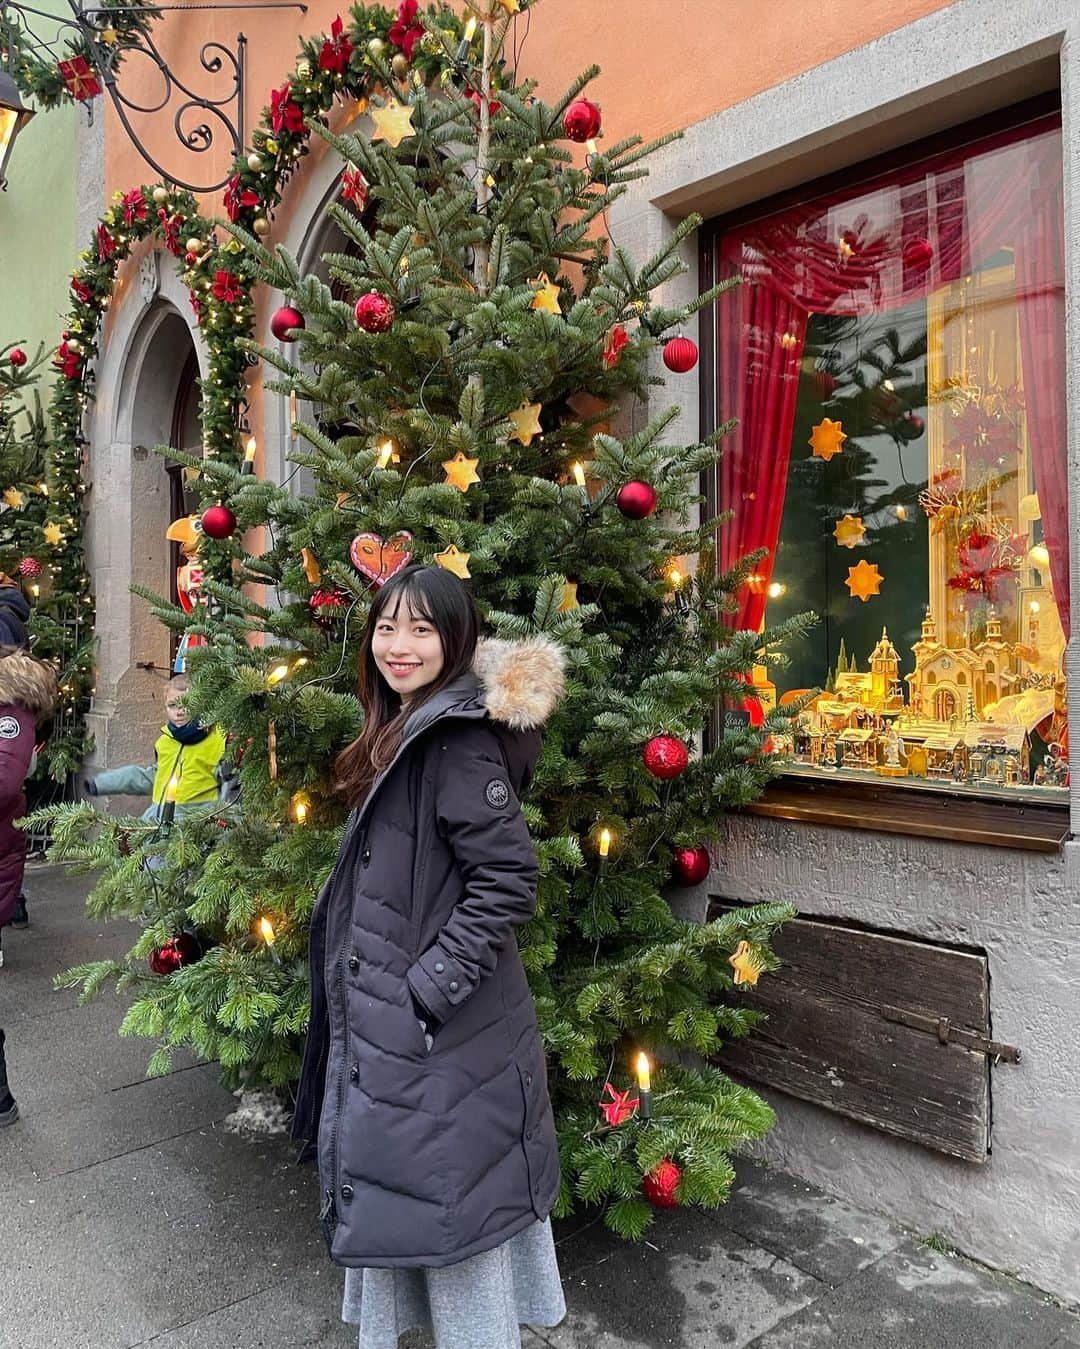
(347, 1192)
(528, 1135)
(528, 1079)
(354, 963)
(365, 856)
(354, 1073)
(439, 967)
(453, 985)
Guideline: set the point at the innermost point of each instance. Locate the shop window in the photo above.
(894, 356)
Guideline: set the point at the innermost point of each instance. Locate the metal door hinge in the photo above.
(948, 1034)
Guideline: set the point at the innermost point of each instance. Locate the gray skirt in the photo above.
(480, 1303)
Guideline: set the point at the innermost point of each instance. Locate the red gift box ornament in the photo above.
(77, 74)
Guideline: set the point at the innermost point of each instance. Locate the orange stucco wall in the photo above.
(665, 65)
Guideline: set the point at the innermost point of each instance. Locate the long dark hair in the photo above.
(438, 597)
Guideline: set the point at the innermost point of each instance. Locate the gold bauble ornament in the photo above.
(261, 226)
(303, 69)
(74, 346)
(400, 65)
(194, 245)
(255, 162)
(376, 46)
(160, 195)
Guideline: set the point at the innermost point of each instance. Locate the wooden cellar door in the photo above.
(892, 1032)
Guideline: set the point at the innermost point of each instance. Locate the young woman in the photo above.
(424, 1088)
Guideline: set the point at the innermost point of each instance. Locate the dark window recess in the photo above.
(891, 1032)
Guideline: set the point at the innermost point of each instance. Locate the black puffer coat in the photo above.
(429, 1157)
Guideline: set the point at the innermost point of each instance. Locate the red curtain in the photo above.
(873, 248)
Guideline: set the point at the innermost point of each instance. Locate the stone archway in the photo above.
(146, 371)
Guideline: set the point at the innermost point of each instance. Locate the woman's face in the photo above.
(407, 650)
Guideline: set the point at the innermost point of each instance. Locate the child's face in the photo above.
(174, 707)
(407, 650)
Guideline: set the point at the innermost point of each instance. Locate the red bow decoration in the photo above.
(476, 98)
(134, 204)
(285, 113)
(336, 50)
(620, 1108)
(235, 199)
(82, 83)
(170, 228)
(981, 571)
(355, 187)
(227, 287)
(406, 33)
(196, 305)
(106, 244)
(82, 292)
(66, 361)
(616, 340)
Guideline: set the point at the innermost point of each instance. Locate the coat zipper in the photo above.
(328, 1217)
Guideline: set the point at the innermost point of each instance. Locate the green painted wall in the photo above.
(38, 247)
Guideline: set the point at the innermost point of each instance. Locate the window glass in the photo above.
(895, 357)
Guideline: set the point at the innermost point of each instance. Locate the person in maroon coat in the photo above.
(28, 695)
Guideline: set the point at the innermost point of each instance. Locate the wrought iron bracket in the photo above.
(200, 119)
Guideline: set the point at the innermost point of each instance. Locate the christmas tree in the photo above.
(58, 629)
(464, 398)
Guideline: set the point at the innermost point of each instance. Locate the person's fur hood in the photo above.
(28, 683)
(522, 680)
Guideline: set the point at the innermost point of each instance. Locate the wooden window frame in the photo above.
(916, 811)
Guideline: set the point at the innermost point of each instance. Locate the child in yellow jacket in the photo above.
(187, 754)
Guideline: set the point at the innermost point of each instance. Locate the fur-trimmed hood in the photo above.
(522, 681)
(28, 683)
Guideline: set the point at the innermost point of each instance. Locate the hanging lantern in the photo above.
(13, 117)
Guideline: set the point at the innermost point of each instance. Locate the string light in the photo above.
(250, 451)
(777, 590)
(644, 1080)
(578, 470)
(266, 930)
(277, 674)
(386, 453)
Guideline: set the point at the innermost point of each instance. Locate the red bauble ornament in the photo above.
(218, 522)
(665, 757)
(690, 866)
(374, 312)
(660, 1184)
(636, 499)
(285, 318)
(918, 253)
(17, 357)
(680, 354)
(183, 949)
(30, 567)
(581, 120)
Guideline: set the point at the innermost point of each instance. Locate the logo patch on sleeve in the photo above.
(496, 793)
(9, 728)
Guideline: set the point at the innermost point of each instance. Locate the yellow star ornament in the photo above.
(54, 535)
(460, 471)
(511, 6)
(453, 559)
(14, 498)
(828, 439)
(849, 531)
(547, 294)
(746, 963)
(569, 598)
(526, 421)
(864, 580)
(393, 123)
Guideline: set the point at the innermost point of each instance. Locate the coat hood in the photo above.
(28, 683)
(521, 681)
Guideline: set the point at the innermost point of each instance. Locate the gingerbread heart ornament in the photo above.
(377, 559)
